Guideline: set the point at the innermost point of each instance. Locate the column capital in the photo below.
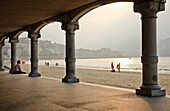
(13, 40)
(70, 26)
(149, 8)
(34, 35)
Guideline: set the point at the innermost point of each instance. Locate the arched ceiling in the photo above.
(17, 14)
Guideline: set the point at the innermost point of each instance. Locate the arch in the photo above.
(78, 13)
(16, 35)
(37, 27)
(3, 39)
(83, 12)
(25, 33)
(52, 31)
(44, 25)
(41, 26)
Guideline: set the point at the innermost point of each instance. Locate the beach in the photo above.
(124, 79)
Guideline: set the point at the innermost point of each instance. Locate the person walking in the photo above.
(118, 67)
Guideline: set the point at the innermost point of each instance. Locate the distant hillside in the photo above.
(49, 50)
(132, 47)
(100, 53)
(164, 47)
(129, 46)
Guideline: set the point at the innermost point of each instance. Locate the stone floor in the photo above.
(22, 93)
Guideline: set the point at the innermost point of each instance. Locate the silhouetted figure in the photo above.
(118, 67)
(23, 62)
(47, 63)
(112, 66)
(56, 64)
(17, 68)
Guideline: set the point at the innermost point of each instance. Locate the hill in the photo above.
(132, 47)
(49, 50)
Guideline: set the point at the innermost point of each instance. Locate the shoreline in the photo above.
(124, 79)
(109, 69)
(127, 64)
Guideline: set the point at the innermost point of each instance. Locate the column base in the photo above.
(34, 74)
(1, 69)
(70, 80)
(151, 92)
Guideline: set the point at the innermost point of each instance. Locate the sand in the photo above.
(131, 80)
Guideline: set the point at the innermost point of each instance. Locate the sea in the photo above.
(127, 64)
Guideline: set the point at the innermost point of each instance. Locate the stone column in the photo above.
(34, 54)
(149, 57)
(1, 57)
(70, 52)
(13, 42)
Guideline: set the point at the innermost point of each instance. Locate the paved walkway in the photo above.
(22, 93)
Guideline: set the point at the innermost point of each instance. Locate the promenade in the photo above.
(22, 93)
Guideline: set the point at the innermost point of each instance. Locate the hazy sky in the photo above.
(106, 25)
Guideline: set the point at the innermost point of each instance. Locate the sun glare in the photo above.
(124, 61)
